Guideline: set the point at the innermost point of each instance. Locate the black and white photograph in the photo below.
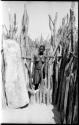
(39, 62)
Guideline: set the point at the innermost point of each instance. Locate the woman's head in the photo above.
(41, 49)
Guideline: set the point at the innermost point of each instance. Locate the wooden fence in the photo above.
(60, 87)
(44, 94)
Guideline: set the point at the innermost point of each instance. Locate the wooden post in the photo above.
(49, 75)
(52, 26)
(40, 96)
(37, 97)
(47, 79)
(72, 24)
(66, 97)
(43, 91)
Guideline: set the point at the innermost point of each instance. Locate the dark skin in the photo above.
(31, 87)
(38, 67)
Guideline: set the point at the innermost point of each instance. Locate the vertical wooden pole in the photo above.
(47, 79)
(49, 83)
(54, 37)
(37, 97)
(66, 97)
(72, 24)
(43, 91)
(40, 96)
(71, 30)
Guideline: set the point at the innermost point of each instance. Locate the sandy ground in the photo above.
(35, 113)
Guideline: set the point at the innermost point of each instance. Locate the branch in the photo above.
(51, 19)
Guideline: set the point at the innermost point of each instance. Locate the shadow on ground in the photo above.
(56, 115)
